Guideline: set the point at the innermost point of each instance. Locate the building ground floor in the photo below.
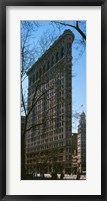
(48, 168)
(54, 160)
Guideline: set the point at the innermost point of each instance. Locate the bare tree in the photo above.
(79, 44)
(75, 25)
(46, 40)
(29, 54)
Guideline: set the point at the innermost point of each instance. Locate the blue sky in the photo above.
(79, 89)
(45, 29)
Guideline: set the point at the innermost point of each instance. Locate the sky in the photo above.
(45, 29)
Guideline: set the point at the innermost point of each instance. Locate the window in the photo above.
(30, 82)
(48, 65)
(62, 52)
(68, 45)
(40, 72)
(36, 75)
(57, 56)
(52, 61)
(33, 78)
(44, 69)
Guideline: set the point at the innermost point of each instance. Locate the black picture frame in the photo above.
(3, 4)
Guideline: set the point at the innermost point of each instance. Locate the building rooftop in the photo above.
(66, 32)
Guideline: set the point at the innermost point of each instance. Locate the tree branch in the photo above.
(75, 27)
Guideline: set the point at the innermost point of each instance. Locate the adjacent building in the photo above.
(74, 153)
(48, 140)
(81, 143)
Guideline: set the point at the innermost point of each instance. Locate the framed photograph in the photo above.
(53, 100)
